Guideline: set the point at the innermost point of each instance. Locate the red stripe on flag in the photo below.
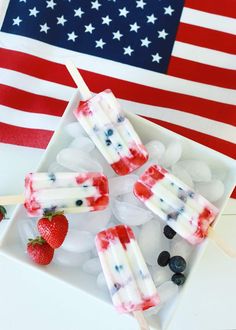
(233, 195)
(225, 8)
(29, 102)
(222, 146)
(35, 66)
(207, 38)
(132, 91)
(206, 74)
(35, 138)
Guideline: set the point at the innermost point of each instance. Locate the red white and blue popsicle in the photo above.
(104, 121)
(184, 210)
(130, 284)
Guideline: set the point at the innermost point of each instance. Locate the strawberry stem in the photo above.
(37, 240)
(50, 214)
(3, 211)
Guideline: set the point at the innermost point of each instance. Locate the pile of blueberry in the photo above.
(176, 263)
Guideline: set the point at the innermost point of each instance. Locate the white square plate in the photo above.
(11, 245)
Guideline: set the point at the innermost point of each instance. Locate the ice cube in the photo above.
(101, 281)
(70, 259)
(78, 241)
(182, 174)
(131, 199)
(75, 130)
(155, 149)
(122, 184)
(212, 190)
(160, 274)
(55, 168)
(77, 160)
(129, 214)
(92, 222)
(172, 154)
(107, 169)
(167, 291)
(180, 247)
(92, 266)
(82, 143)
(27, 229)
(197, 169)
(152, 241)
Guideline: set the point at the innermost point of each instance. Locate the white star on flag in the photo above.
(117, 35)
(95, 5)
(44, 28)
(134, 27)
(145, 42)
(72, 36)
(106, 20)
(168, 11)
(100, 43)
(51, 4)
(151, 19)
(156, 58)
(17, 21)
(123, 12)
(33, 12)
(140, 4)
(162, 34)
(89, 28)
(128, 50)
(61, 20)
(78, 12)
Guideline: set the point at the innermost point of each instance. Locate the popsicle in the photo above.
(185, 211)
(68, 192)
(127, 276)
(106, 124)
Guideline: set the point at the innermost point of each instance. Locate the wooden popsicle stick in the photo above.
(11, 200)
(221, 243)
(83, 88)
(138, 315)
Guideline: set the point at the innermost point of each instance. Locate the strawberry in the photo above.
(53, 227)
(40, 251)
(3, 212)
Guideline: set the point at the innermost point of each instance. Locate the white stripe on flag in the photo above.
(204, 55)
(28, 119)
(35, 85)
(194, 122)
(207, 20)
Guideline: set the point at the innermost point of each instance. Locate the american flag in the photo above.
(171, 61)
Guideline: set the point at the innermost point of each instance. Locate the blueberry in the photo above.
(52, 177)
(177, 264)
(173, 215)
(169, 232)
(163, 258)
(108, 142)
(178, 278)
(117, 286)
(120, 119)
(191, 194)
(79, 202)
(109, 132)
(118, 268)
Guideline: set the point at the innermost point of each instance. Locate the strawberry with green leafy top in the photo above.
(40, 251)
(3, 213)
(53, 227)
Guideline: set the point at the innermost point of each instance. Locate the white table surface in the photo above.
(31, 300)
